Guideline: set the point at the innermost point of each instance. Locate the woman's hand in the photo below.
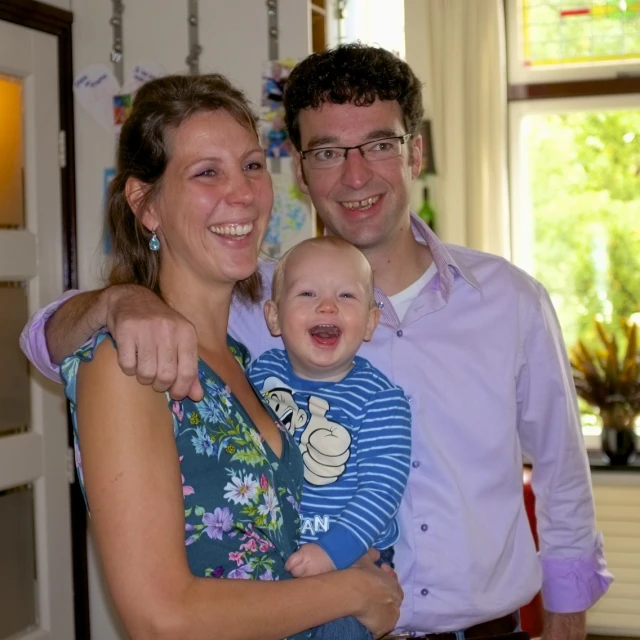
(381, 596)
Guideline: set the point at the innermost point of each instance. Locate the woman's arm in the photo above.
(133, 484)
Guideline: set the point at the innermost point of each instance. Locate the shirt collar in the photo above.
(448, 268)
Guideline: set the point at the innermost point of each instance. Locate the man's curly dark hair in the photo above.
(354, 73)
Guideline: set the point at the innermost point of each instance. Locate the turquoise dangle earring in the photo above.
(154, 243)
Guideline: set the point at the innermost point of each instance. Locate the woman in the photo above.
(188, 210)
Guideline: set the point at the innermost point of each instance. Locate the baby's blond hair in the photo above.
(279, 273)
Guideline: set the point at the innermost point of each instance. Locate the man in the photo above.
(473, 341)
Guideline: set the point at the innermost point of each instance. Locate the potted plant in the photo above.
(608, 378)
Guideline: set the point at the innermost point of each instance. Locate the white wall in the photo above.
(61, 4)
(234, 38)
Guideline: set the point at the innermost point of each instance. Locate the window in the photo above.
(579, 31)
(555, 40)
(373, 22)
(575, 169)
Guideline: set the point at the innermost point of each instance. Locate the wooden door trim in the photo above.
(58, 22)
(48, 19)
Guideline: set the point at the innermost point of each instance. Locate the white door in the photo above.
(36, 598)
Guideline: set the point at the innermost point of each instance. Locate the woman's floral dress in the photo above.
(241, 502)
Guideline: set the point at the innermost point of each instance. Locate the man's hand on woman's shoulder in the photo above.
(155, 343)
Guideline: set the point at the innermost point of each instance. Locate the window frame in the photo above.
(517, 111)
(562, 89)
(521, 217)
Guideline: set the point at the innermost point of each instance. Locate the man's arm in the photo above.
(33, 340)
(571, 551)
(73, 322)
(565, 626)
(155, 343)
(384, 452)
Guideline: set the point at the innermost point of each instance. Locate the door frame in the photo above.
(58, 22)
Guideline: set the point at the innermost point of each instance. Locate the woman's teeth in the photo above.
(361, 205)
(236, 230)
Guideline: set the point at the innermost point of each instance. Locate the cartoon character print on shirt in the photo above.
(280, 399)
(325, 445)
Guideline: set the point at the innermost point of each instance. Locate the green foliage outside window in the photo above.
(585, 194)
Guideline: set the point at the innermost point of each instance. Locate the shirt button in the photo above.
(424, 527)
(380, 305)
(399, 333)
(410, 398)
(425, 592)
(415, 464)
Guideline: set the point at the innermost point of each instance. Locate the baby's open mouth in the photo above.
(325, 334)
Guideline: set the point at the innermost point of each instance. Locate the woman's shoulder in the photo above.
(94, 373)
(95, 350)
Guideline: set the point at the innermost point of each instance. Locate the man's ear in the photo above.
(372, 323)
(271, 316)
(135, 190)
(416, 155)
(300, 177)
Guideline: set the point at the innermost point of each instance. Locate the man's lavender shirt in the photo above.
(480, 356)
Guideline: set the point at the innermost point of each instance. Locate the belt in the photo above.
(493, 628)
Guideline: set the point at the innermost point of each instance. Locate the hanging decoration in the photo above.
(272, 25)
(193, 58)
(103, 92)
(275, 138)
(291, 219)
(116, 54)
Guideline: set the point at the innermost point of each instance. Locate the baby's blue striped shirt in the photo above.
(358, 510)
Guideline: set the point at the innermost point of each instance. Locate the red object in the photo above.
(531, 615)
(574, 12)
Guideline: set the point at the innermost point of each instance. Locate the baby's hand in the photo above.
(309, 560)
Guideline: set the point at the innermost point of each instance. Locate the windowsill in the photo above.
(598, 462)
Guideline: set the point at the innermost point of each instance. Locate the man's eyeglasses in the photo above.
(330, 157)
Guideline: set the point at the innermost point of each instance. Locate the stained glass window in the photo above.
(560, 32)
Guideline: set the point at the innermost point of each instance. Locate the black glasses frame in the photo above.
(403, 140)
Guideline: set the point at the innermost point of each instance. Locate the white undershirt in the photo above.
(402, 301)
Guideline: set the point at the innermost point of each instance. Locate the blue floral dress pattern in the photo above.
(241, 501)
